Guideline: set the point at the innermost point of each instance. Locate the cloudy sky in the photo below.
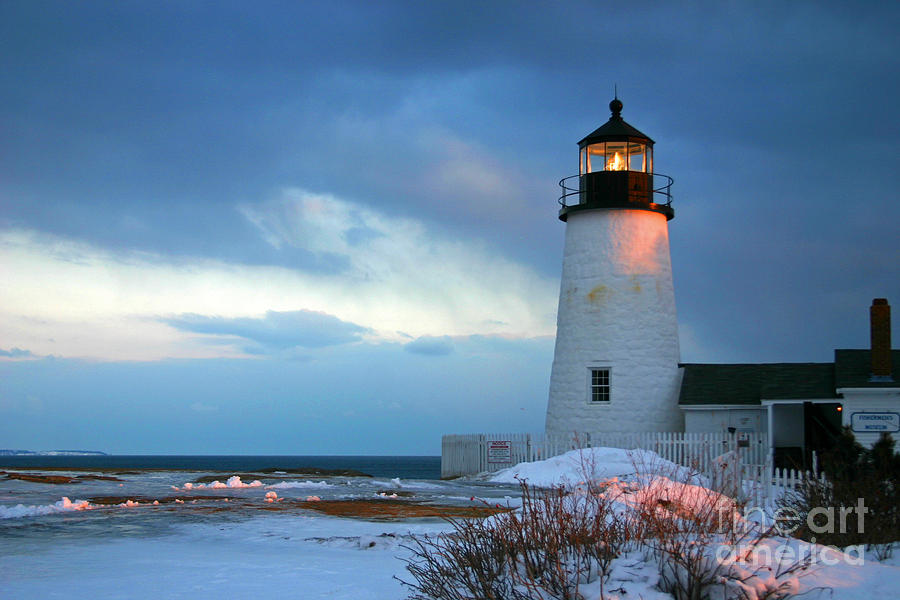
(330, 227)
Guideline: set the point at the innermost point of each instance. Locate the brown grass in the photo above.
(390, 510)
(373, 510)
(116, 500)
(55, 479)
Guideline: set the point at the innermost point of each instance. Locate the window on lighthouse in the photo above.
(599, 385)
(637, 158)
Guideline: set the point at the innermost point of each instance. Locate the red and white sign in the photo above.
(499, 451)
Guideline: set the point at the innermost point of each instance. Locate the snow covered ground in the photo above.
(576, 467)
(237, 538)
(631, 476)
(277, 556)
(60, 550)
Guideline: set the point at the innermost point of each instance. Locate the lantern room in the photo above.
(617, 156)
(615, 170)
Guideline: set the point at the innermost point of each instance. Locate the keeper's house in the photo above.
(802, 406)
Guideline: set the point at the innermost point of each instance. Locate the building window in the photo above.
(599, 385)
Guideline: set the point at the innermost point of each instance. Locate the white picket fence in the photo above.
(763, 485)
(469, 454)
(473, 453)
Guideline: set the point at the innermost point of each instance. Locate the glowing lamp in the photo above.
(615, 170)
(616, 156)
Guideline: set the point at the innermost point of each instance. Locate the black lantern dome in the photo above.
(615, 170)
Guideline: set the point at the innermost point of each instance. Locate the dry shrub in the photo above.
(854, 474)
(557, 542)
(680, 528)
(471, 562)
(687, 527)
(561, 540)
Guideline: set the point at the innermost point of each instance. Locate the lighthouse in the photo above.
(615, 365)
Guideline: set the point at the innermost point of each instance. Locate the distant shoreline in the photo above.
(406, 467)
(4, 452)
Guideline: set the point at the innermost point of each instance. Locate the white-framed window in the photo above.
(600, 389)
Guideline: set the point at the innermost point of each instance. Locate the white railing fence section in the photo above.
(764, 486)
(474, 453)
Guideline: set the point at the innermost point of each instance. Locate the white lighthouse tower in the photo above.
(615, 367)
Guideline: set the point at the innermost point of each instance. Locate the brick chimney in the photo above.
(880, 316)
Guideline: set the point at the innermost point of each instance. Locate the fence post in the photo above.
(482, 452)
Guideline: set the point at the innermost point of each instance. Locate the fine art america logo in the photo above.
(788, 520)
(819, 520)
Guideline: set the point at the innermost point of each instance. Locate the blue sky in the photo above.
(331, 227)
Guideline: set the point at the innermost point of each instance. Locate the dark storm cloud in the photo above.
(143, 126)
(276, 331)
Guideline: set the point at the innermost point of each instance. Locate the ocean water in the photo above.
(208, 526)
(405, 467)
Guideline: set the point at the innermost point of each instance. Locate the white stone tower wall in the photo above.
(616, 310)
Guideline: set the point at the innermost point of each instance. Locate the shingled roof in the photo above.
(715, 384)
(853, 369)
(616, 129)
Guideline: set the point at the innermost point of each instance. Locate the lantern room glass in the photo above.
(616, 156)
